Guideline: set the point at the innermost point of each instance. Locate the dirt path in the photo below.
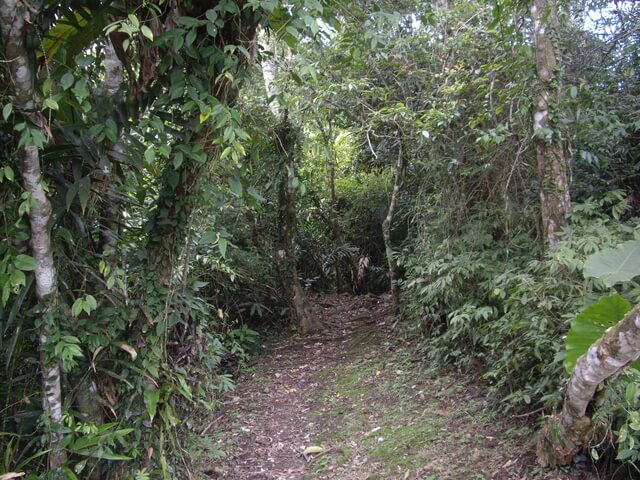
(356, 394)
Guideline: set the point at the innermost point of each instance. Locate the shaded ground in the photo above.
(351, 403)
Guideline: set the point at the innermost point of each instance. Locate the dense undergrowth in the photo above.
(502, 308)
(185, 194)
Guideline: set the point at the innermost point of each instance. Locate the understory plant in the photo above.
(497, 306)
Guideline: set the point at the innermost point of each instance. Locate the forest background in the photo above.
(176, 176)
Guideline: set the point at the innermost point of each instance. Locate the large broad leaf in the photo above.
(591, 324)
(615, 265)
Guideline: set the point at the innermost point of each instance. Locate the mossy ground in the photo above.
(363, 395)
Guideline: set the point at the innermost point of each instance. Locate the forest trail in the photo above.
(357, 391)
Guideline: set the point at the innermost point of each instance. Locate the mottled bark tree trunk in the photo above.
(13, 28)
(288, 221)
(109, 214)
(563, 436)
(178, 196)
(394, 270)
(167, 228)
(88, 400)
(285, 140)
(555, 202)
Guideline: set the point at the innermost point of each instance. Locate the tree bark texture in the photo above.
(394, 270)
(285, 143)
(287, 216)
(555, 201)
(563, 437)
(87, 399)
(176, 201)
(13, 28)
(109, 211)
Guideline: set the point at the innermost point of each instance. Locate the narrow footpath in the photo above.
(355, 402)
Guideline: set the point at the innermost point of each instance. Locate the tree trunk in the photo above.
(555, 202)
(336, 230)
(563, 436)
(286, 257)
(287, 216)
(109, 214)
(12, 25)
(87, 399)
(167, 227)
(394, 271)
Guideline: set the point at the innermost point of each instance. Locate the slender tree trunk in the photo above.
(394, 270)
(167, 227)
(287, 216)
(286, 257)
(338, 234)
(331, 160)
(563, 437)
(12, 25)
(109, 218)
(87, 398)
(555, 201)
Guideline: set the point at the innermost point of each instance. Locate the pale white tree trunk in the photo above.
(563, 437)
(13, 28)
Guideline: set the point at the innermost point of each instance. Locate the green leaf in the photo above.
(255, 194)
(46, 86)
(188, 21)
(149, 155)
(630, 393)
(177, 160)
(173, 178)
(591, 324)
(6, 110)
(71, 193)
(103, 455)
(573, 91)
(207, 238)
(51, 103)
(204, 116)
(6, 291)
(222, 246)
(314, 4)
(17, 279)
(8, 172)
(134, 20)
(191, 36)
(615, 265)
(236, 186)
(211, 15)
(67, 81)
(77, 307)
(91, 302)
(151, 400)
(146, 31)
(84, 188)
(25, 263)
